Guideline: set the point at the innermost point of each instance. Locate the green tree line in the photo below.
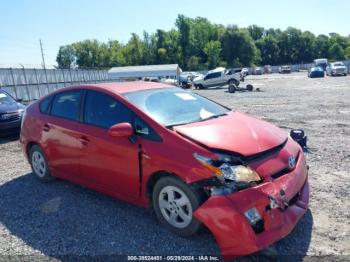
(198, 44)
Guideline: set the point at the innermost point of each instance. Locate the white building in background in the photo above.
(148, 71)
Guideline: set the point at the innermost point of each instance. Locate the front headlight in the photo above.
(227, 171)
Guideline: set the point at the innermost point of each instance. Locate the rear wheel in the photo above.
(250, 88)
(39, 164)
(174, 203)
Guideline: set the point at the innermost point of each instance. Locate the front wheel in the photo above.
(174, 203)
(231, 88)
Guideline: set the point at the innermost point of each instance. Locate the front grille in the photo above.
(285, 170)
(265, 154)
(9, 117)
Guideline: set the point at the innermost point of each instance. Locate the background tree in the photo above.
(256, 32)
(336, 52)
(213, 49)
(183, 25)
(238, 48)
(65, 57)
(268, 47)
(198, 44)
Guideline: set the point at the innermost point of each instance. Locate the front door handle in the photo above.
(84, 140)
(46, 128)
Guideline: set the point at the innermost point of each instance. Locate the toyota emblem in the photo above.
(291, 162)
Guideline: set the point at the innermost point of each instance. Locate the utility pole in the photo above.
(42, 54)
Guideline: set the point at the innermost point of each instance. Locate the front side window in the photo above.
(67, 105)
(213, 75)
(175, 106)
(104, 111)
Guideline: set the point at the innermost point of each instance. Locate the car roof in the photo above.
(123, 87)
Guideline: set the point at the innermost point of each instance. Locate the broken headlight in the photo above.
(226, 171)
(233, 177)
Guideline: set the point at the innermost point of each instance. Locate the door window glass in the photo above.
(104, 111)
(67, 105)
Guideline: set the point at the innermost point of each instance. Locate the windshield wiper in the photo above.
(181, 124)
(198, 120)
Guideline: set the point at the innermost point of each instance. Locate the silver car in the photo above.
(336, 69)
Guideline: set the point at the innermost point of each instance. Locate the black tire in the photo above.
(200, 86)
(195, 199)
(46, 174)
(231, 88)
(232, 82)
(250, 88)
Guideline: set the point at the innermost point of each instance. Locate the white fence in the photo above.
(31, 84)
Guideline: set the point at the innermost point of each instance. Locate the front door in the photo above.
(108, 163)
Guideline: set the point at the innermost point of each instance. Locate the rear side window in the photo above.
(45, 104)
(104, 111)
(67, 105)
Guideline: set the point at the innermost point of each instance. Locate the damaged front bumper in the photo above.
(280, 203)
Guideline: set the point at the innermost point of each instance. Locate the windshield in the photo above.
(175, 106)
(5, 99)
(338, 64)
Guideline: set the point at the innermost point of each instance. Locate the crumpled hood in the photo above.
(235, 132)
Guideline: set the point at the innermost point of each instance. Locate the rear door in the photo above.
(60, 134)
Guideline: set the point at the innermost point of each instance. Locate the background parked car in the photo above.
(245, 71)
(285, 69)
(336, 69)
(267, 69)
(315, 72)
(258, 71)
(10, 114)
(321, 62)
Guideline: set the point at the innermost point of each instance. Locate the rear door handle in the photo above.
(46, 128)
(84, 140)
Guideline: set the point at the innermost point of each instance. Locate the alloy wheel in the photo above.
(39, 164)
(175, 206)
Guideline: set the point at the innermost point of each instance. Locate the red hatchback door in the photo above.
(109, 164)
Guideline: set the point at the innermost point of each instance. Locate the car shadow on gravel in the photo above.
(60, 219)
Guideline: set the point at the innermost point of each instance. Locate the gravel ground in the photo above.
(53, 220)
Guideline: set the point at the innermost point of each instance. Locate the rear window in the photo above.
(67, 105)
(45, 104)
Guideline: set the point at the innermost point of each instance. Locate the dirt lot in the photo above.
(57, 219)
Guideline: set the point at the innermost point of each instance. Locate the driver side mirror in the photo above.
(121, 130)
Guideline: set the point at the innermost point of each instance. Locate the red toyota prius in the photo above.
(195, 162)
